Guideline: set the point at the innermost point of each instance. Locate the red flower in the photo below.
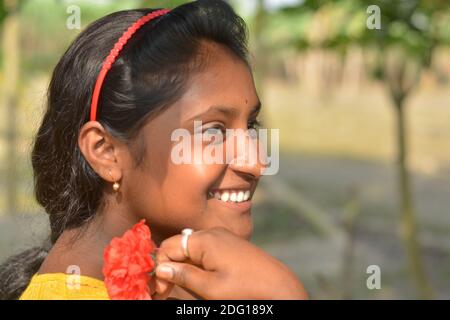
(127, 264)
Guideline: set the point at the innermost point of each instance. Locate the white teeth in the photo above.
(233, 196)
(225, 196)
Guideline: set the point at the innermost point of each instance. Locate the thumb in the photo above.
(187, 276)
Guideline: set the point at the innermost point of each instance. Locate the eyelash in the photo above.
(217, 127)
(253, 124)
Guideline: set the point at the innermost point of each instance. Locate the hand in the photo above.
(223, 266)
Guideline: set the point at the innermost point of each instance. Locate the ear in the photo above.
(102, 151)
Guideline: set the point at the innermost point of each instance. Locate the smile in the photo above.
(233, 196)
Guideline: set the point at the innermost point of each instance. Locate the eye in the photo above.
(215, 129)
(254, 124)
(215, 132)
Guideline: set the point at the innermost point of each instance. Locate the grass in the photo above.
(360, 125)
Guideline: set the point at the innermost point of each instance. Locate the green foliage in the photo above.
(412, 25)
(44, 35)
(162, 3)
(2, 11)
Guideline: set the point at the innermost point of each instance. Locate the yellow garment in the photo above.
(61, 286)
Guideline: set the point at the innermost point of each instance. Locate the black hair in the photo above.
(151, 73)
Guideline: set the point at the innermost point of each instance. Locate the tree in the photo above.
(11, 59)
(161, 3)
(404, 45)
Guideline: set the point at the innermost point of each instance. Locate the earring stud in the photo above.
(116, 185)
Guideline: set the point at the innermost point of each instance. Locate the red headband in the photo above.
(114, 53)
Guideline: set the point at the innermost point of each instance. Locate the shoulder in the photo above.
(61, 286)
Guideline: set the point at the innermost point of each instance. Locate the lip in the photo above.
(235, 188)
(242, 207)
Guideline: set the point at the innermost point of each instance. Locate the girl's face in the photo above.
(175, 196)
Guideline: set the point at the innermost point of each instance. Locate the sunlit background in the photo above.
(364, 119)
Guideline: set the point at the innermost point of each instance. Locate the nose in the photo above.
(245, 153)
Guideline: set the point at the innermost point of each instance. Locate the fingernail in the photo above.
(165, 272)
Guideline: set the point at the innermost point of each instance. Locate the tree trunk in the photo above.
(260, 72)
(11, 71)
(408, 226)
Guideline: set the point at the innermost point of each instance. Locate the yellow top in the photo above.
(61, 286)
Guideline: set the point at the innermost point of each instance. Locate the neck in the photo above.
(84, 246)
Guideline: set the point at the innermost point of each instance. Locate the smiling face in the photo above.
(175, 196)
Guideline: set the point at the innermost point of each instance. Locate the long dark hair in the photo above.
(151, 73)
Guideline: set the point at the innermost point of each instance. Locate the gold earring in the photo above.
(116, 185)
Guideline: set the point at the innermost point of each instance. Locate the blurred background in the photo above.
(360, 91)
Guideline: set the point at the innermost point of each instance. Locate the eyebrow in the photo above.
(226, 110)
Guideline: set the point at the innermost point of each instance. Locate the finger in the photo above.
(162, 256)
(164, 294)
(152, 286)
(172, 249)
(197, 246)
(161, 285)
(188, 276)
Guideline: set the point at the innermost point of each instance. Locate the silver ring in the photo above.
(184, 240)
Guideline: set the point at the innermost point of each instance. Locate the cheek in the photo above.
(192, 182)
(172, 196)
(204, 172)
(176, 196)
(185, 193)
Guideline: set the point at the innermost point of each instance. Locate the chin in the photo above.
(243, 228)
(244, 231)
(236, 218)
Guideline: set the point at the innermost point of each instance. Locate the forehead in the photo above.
(226, 80)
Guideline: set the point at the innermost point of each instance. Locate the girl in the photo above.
(102, 159)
